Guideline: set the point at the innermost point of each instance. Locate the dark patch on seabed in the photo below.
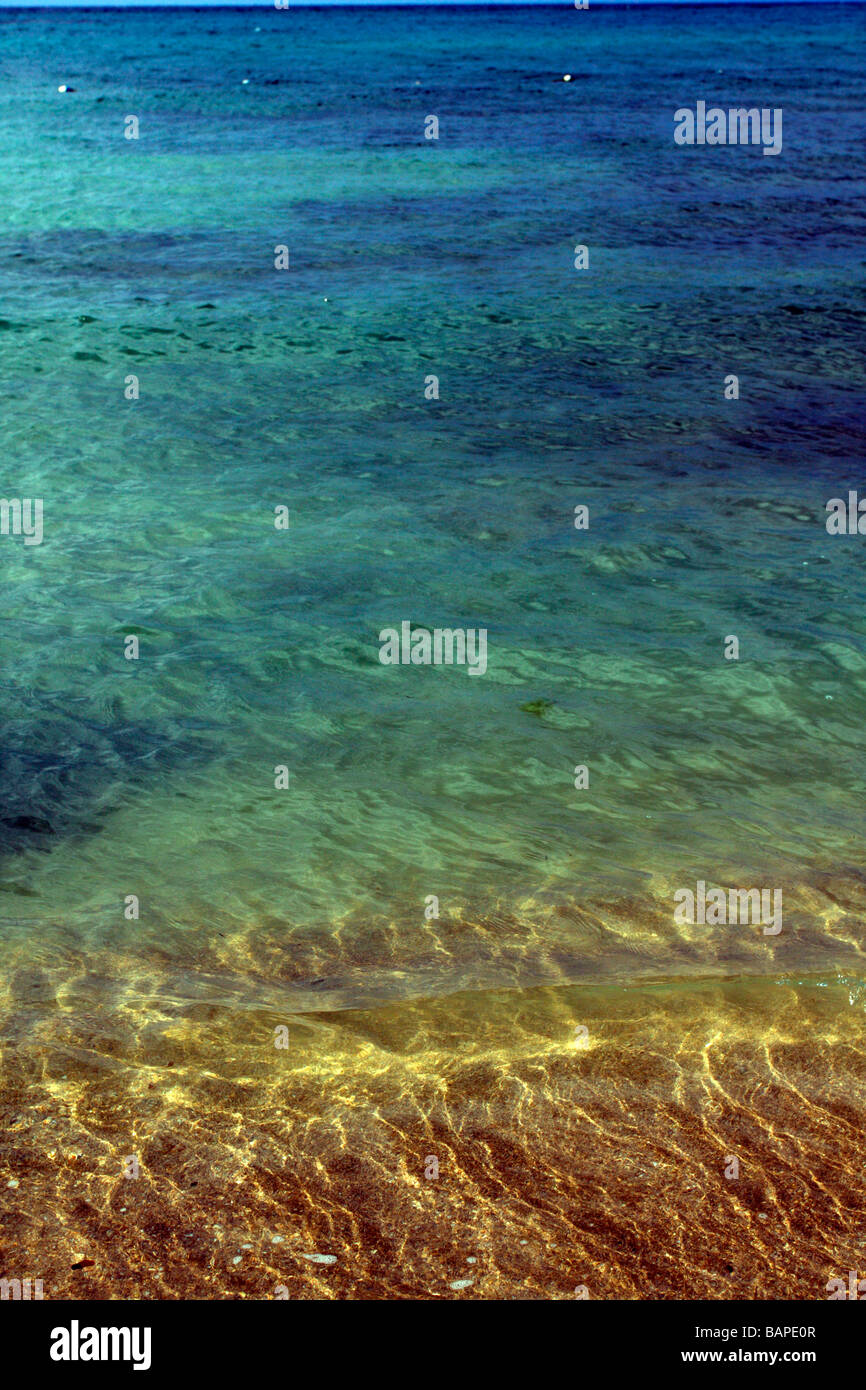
(59, 775)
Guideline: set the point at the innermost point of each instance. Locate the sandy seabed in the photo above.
(581, 1135)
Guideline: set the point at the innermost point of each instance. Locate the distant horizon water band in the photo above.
(403, 4)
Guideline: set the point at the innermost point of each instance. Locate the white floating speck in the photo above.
(319, 1259)
(461, 1284)
(13, 1182)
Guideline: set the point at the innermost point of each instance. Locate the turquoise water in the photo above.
(305, 388)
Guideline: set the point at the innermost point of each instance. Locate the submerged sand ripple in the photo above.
(565, 1158)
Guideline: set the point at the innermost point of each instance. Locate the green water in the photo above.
(259, 388)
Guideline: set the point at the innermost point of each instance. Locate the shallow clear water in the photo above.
(305, 388)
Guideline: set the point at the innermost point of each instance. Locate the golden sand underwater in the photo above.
(541, 1141)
